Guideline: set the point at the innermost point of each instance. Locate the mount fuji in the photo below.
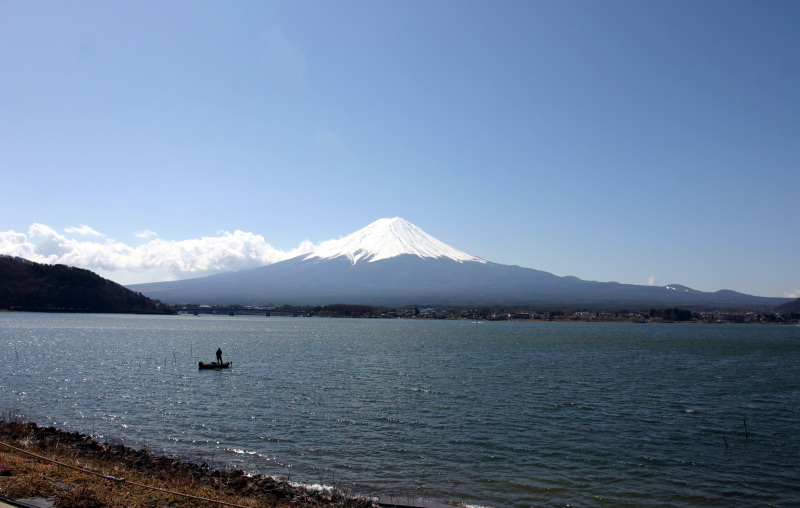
(388, 238)
(393, 262)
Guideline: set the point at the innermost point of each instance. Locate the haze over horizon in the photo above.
(643, 143)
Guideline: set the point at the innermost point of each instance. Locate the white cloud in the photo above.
(146, 234)
(651, 281)
(83, 230)
(15, 244)
(792, 294)
(155, 260)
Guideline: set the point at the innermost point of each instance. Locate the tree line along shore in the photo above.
(500, 313)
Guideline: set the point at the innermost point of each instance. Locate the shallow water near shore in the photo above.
(492, 414)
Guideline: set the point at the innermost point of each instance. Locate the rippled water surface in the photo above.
(493, 414)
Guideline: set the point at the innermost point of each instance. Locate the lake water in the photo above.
(491, 414)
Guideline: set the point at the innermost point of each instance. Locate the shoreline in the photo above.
(72, 469)
(737, 318)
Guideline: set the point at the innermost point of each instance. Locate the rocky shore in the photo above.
(73, 470)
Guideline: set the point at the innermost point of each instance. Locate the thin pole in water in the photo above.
(15, 353)
(745, 428)
(726, 441)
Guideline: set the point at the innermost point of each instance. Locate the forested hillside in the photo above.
(29, 286)
(793, 306)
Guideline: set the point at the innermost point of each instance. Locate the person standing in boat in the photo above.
(219, 356)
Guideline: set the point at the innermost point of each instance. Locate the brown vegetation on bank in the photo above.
(76, 471)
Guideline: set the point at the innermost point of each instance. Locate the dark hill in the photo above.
(793, 306)
(28, 286)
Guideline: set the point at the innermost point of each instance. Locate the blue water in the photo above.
(491, 414)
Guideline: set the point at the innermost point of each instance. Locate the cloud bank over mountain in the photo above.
(154, 260)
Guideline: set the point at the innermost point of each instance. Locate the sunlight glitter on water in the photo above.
(502, 414)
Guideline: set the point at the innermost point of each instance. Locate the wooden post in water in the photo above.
(726, 441)
(745, 428)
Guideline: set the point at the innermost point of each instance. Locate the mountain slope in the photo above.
(791, 306)
(407, 280)
(392, 262)
(29, 286)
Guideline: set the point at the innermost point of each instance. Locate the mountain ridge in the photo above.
(392, 262)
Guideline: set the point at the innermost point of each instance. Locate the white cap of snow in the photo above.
(387, 238)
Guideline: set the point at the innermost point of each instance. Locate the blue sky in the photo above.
(641, 142)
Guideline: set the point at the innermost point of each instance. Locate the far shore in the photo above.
(713, 318)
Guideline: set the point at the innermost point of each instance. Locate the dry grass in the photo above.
(27, 478)
(22, 476)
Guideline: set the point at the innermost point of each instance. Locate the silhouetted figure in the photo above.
(219, 356)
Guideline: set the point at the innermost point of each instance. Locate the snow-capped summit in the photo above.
(412, 268)
(387, 238)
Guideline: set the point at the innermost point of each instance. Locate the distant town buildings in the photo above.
(666, 315)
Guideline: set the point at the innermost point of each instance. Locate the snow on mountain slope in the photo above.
(387, 238)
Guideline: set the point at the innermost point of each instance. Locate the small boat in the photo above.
(213, 365)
